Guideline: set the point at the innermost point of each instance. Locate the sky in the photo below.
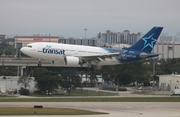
(69, 18)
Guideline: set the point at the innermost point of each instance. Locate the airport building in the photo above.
(9, 84)
(169, 82)
(24, 40)
(167, 47)
(87, 79)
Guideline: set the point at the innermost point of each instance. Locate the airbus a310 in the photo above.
(80, 55)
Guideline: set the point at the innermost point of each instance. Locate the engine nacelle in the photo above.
(71, 60)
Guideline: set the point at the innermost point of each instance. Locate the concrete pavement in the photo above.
(115, 109)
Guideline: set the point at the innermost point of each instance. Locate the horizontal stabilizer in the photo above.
(145, 55)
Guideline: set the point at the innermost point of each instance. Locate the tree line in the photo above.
(124, 74)
(47, 81)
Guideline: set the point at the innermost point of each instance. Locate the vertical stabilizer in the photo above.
(147, 42)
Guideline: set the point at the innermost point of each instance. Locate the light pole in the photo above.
(118, 85)
(85, 32)
(153, 71)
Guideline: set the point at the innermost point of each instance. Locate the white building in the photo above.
(99, 78)
(10, 83)
(167, 49)
(169, 82)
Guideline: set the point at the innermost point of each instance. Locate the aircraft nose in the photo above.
(22, 49)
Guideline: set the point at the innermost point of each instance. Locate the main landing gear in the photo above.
(39, 63)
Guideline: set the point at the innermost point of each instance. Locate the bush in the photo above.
(92, 84)
(84, 83)
(87, 84)
(24, 91)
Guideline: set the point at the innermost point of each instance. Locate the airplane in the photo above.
(86, 56)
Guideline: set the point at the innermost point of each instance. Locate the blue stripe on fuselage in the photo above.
(126, 56)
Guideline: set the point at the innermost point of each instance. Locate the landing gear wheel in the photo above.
(39, 64)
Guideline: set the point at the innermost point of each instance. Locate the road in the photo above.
(115, 109)
(32, 62)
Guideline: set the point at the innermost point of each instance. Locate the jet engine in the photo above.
(71, 60)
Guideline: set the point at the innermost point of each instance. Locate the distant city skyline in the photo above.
(70, 18)
(95, 35)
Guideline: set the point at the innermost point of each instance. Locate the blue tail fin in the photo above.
(147, 42)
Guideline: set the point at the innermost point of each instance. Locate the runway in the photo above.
(115, 109)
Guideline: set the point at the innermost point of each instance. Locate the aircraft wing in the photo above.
(100, 57)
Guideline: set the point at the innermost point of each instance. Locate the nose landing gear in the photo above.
(39, 63)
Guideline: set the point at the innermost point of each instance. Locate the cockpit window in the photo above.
(29, 46)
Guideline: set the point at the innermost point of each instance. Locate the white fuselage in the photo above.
(57, 52)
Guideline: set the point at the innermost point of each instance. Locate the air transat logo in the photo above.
(149, 41)
(48, 49)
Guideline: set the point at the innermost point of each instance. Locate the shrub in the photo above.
(84, 83)
(24, 91)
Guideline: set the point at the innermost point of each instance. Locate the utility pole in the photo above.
(118, 86)
(153, 72)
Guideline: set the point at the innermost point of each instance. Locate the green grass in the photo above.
(45, 111)
(100, 99)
